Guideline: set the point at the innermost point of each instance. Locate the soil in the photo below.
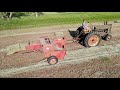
(20, 60)
(96, 68)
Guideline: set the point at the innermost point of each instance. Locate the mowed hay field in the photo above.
(57, 18)
(102, 67)
(30, 65)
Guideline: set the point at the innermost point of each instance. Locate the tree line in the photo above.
(10, 15)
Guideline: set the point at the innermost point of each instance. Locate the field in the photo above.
(101, 61)
(60, 18)
(104, 67)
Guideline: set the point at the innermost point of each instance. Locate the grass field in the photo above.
(53, 18)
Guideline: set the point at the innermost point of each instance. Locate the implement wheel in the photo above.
(92, 39)
(52, 60)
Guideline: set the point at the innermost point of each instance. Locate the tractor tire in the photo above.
(92, 39)
(52, 60)
(108, 37)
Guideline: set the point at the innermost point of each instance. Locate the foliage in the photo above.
(28, 19)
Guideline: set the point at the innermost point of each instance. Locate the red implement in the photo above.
(34, 47)
(60, 42)
(49, 48)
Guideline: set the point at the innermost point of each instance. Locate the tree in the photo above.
(36, 14)
(10, 14)
(7, 15)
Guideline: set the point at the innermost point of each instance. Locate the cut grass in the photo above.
(49, 19)
(106, 59)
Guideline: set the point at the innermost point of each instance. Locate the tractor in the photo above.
(93, 35)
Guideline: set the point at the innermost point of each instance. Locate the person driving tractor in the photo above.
(86, 26)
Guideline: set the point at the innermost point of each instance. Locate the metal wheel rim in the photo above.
(53, 61)
(93, 40)
(108, 38)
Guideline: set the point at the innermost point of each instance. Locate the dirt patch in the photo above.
(20, 59)
(43, 31)
(10, 40)
(76, 57)
(96, 68)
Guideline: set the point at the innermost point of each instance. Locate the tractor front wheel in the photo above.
(52, 60)
(92, 39)
(108, 37)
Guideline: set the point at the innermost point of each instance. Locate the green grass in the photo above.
(49, 19)
(106, 59)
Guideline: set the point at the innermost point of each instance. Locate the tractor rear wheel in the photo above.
(92, 39)
(52, 60)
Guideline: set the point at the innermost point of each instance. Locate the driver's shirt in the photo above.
(84, 25)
